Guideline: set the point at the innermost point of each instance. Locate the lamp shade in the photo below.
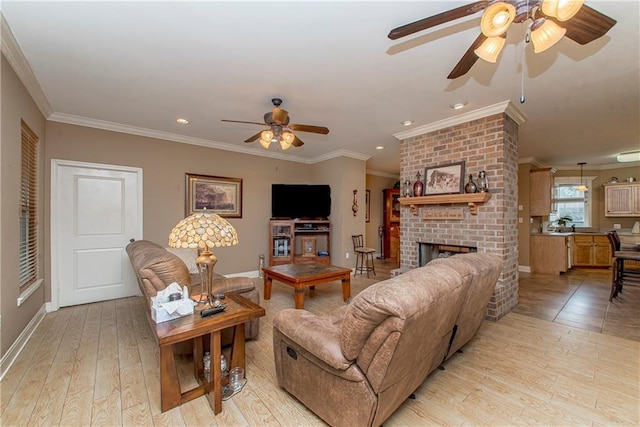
(286, 140)
(545, 33)
(561, 9)
(265, 138)
(490, 49)
(203, 230)
(497, 18)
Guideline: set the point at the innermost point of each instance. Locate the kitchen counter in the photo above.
(569, 233)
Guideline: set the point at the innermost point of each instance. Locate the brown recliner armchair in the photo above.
(156, 268)
(356, 365)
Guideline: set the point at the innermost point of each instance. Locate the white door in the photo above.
(95, 211)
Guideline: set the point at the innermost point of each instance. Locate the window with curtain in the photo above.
(28, 265)
(571, 202)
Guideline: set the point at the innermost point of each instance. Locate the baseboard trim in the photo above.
(14, 351)
(524, 268)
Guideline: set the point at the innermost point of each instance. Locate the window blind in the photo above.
(28, 265)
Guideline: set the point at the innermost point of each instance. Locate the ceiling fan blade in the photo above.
(468, 59)
(297, 142)
(308, 128)
(279, 115)
(254, 137)
(441, 18)
(240, 121)
(587, 25)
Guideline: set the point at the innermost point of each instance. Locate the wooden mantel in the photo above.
(471, 199)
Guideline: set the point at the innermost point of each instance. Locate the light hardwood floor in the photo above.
(97, 364)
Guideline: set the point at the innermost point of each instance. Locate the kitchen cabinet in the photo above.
(541, 198)
(622, 200)
(591, 250)
(549, 253)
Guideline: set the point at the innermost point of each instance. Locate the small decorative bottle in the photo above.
(223, 366)
(408, 190)
(471, 186)
(483, 182)
(417, 186)
(207, 366)
(260, 266)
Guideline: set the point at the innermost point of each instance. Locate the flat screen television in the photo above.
(300, 201)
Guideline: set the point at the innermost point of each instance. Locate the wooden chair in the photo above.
(364, 256)
(620, 275)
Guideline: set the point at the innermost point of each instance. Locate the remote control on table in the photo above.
(211, 311)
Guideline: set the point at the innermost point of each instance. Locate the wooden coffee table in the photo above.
(306, 275)
(239, 310)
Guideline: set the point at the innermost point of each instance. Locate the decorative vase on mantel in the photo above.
(471, 186)
(418, 186)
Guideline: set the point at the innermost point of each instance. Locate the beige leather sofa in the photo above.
(356, 365)
(156, 268)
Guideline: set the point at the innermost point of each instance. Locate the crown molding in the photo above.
(599, 167)
(531, 160)
(383, 174)
(150, 133)
(502, 107)
(12, 51)
(341, 153)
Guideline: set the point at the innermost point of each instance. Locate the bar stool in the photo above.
(364, 256)
(619, 274)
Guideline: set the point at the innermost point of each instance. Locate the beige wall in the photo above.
(344, 175)
(16, 105)
(376, 184)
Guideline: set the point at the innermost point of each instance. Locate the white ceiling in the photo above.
(141, 65)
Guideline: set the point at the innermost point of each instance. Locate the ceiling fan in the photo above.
(550, 21)
(280, 130)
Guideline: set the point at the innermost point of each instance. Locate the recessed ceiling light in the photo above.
(182, 121)
(458, 105)
(632, 156)
(407, 123)
(379, 147)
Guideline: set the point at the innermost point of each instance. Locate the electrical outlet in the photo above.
(520, 220)
(616, 226)
(346, 255)
(519, 207)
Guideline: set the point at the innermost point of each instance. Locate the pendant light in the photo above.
(581, 187)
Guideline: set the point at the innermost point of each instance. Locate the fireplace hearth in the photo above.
(429, 251)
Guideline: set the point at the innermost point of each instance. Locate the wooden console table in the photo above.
(239, 310)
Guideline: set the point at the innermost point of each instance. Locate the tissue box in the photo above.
(163, 310)
(159, 313)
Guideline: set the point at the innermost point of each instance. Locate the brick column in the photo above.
(487, 143)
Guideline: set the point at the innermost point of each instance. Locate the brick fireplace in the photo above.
(485, 140)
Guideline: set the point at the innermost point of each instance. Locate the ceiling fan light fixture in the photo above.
(497, 18)
(491, 48)
(286, 140)
(561, 9)
(265, 138)
(545, 33)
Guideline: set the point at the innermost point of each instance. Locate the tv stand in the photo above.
(298, 240)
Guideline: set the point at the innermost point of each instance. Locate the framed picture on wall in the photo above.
(220, 195)
(444, 179)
